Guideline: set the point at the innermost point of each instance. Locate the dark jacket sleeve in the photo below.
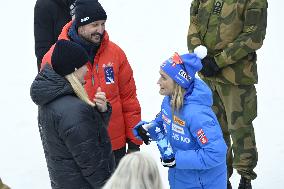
(106, 115)
(43, 29)
(86, 140)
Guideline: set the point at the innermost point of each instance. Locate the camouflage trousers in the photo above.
(2, 185)
(236, 107)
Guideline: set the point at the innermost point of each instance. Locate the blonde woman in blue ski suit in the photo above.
(186, 130)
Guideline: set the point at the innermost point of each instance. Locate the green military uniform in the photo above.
(2, 185)
(232, 30)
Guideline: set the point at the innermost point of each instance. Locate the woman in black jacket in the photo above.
(49, 18)
(73, 129)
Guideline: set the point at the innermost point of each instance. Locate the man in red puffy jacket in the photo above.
(109, 69)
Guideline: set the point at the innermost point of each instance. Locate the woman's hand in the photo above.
(100, 100)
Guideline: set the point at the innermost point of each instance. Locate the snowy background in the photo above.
(149, 31)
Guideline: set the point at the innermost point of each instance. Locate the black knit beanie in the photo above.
(88, 11)
(68, 56)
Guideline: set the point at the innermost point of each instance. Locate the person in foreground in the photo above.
(232, 31)
(109, 69)
(186, 130)
(136, 170)
(73, 128)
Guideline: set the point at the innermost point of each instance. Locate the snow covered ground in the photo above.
(149, 31)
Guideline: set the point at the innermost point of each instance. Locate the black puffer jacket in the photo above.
(49, 18)
(74, 134)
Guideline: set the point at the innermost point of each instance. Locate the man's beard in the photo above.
(97, 35)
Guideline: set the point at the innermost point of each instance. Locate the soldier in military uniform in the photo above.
(232, 30)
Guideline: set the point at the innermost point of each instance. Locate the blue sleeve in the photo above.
(157, 127)
(212, 148)
(158, 134)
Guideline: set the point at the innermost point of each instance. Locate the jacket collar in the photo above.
(48, 86)
(65, 35)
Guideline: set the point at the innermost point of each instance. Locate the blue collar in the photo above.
(88, 46)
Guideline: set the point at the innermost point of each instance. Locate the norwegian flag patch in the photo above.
(176, 59)
(201, 136)
(109, 73)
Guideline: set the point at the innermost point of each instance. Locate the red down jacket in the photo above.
(112, 72)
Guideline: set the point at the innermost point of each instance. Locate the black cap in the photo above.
(68, 56)
(88, 11)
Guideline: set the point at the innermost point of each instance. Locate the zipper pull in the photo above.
(93, 80)
(97, 68)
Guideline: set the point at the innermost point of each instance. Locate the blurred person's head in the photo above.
(136, 170)
(90, 18)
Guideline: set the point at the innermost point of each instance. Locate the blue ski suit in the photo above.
(196, 139)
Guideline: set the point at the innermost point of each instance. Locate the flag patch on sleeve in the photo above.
(201, 136)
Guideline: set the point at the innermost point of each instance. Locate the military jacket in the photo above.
(232, 30)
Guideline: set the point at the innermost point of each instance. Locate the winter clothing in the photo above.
(67, 57)
(141, 133)
(182, 68)
(119, 154)
(232, 31)
(141, 130)
(229, 185)
(229, 99)
(110, 70)
(209, 67)
(88, 11)
(170, 163)
(245, 183)
(132, 147)
(196, 139)
(91, 48)
(49, 18)
(74, 135)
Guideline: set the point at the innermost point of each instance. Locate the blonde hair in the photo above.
(177, 97)
(78, 88)
(136, 170)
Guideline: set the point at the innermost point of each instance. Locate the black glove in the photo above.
(210, 68)
(132, 147)
(143, 134)
(171, 163)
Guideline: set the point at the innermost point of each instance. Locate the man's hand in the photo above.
(100, 100)
(210, 68)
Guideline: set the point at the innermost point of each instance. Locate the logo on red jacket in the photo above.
(109, 73)
(201, 136)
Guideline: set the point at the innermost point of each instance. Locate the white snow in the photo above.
(149, 32)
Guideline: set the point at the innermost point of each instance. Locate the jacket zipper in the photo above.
(93, 77)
